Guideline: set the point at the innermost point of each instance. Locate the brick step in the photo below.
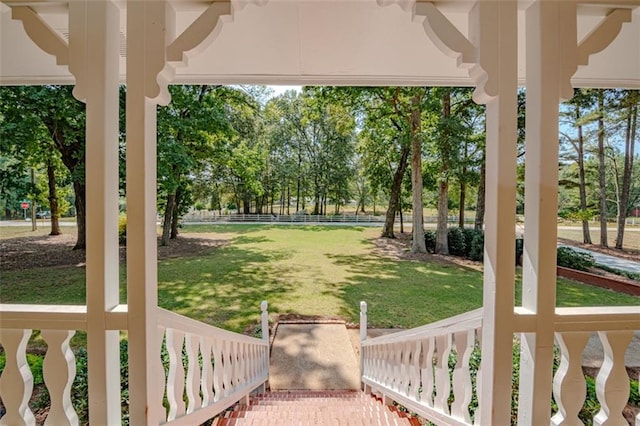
(332, 408)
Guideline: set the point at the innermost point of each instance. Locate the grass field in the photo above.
(306, 270)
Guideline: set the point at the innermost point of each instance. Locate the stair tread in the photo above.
(334, 408)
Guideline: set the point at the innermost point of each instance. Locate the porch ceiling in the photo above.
(345, 42)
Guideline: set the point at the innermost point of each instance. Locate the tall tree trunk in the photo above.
(463, 196)
(53, 199)
(630, 137)
(417, 222)
(394, 196)
(442, 246)
(601, 171)
(479, 221)
(586, 235)
(401, 217)
(168, 215)
(81, 215)
(442, 240)
(288, 198)
(174, 214)
(34, 222)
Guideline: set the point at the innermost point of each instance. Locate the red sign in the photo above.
(24, 205)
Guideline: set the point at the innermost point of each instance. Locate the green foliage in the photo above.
(628, 274)
(122, 229)
(469, 235)
(570, 258)
(456, 242)
(430, 241)
(476, 252)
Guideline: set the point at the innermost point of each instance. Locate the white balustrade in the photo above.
(214, 368)
(412, 367)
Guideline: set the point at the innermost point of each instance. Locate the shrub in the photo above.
(476, 251)
(469, 235)
(570, 258)
(122, 229)
(430, 241)
(456, 242)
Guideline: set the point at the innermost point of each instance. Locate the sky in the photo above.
(279, 90)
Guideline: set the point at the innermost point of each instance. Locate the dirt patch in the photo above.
(399, 248)
(57, 251)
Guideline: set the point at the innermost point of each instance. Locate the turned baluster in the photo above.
(443, 384)
(193, 373)
(612, 382)
(569, 387)
(59, 370)
(426, 373)
(17, 381)
(462, 389)
(175, 378)
(218, 370)
(207, 371)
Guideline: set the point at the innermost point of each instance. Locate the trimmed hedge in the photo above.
(570, 258)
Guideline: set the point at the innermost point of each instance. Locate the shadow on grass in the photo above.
(224, 288)
(402, 293)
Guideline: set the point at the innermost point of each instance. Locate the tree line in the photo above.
(317, 150)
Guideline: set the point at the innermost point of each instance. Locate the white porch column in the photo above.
(499, 252)
(146, 32)
(94, 60)
(550, 25)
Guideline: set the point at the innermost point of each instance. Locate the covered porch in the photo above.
(548, 46)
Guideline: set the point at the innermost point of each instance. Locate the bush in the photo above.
(570, 258)
(476, 251)
(122, 229)
(430, 241)
(469, 235)
(456, 242)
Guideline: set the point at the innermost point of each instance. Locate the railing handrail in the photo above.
(180, 322)
(466, 321)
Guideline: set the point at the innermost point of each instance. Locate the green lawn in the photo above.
(308, 270)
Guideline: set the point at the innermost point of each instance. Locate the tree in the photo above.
(45, 120)
(601, 169)
(187, 130)
(581, 100)
(630, 105)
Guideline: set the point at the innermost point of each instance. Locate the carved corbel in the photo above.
(41, 33)
(478, 52)
(602, 35)
(200, 34)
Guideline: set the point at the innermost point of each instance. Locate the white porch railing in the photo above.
(412, 367)
(222, 367)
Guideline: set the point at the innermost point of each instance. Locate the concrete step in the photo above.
(331, 408)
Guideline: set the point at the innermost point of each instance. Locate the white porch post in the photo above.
(94, 60)
(146, 25)
(549, 26)
(499, 271)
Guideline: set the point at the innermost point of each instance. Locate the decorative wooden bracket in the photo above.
(477, 53)
(45, 37)
(200, 34)
(446, 36)
(603, 34)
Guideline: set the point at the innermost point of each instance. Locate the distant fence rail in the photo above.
(206, 216)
